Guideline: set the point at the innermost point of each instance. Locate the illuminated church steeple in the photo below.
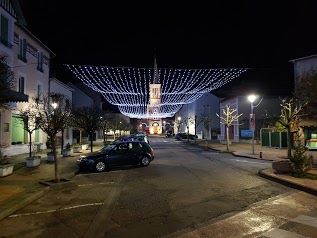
(153, 108)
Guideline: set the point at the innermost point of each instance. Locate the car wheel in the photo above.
(145, 161)
(100, 166)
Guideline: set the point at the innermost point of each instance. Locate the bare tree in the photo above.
(106, 124)
(291, 111)
(30, 122)
(53, 112)
(228, 119)
(87, 118)
(196, 121)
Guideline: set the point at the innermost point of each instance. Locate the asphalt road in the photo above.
(183, 189)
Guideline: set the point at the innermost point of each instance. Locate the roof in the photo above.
(36, 39)
(303, 58)
(307, 123)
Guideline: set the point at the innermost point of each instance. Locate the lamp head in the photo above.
(251, 98)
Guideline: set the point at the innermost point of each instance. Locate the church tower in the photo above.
(153, 109)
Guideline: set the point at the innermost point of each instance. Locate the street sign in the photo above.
(252, 121)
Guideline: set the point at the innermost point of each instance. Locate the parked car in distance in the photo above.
(183, 135)
(116, 154)
(141, 133)
(134, 137)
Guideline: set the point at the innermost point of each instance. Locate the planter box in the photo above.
(50, 157)
(84, 146)
(283, 166)
(76, 149)
(33, 161)
(6, 169)
(66, 152)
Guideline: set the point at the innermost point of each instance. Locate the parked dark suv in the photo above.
(118, 153)
(183, 135)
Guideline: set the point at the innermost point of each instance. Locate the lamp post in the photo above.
(179, 123)
(252, 120)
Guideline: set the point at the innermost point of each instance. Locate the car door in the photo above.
(135, 152)
(118, 155)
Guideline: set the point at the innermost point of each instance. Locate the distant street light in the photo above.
(179, 123)
(54, 105)
(252, 119)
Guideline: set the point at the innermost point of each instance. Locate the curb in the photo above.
(287, 183)
(64, 183)
(24, 200)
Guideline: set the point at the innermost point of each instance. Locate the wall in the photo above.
(206, 105)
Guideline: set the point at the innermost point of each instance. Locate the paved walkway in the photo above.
(27, 184)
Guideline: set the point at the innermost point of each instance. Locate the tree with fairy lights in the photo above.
(228, 118)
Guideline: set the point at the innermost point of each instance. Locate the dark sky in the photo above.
(219, 34)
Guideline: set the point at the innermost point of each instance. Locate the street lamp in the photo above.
(54, 105)
(179, 123)
(252, 121)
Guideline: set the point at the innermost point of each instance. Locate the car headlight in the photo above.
(82, 159)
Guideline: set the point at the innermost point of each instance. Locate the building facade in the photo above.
(200, 117)
(29, 60)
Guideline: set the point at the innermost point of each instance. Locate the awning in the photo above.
(15, 96)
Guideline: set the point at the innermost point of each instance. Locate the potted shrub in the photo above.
(33, 160)
(66, 151)
(6, 168)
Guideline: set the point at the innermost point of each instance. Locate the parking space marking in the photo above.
(57, 210)
(91, 184)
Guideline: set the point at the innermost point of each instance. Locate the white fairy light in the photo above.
(129, 88)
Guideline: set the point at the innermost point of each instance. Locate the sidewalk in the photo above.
(27, 184)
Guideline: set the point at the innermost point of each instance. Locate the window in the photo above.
(39, 90)
(40, 61)
(21, 84)
(22, 50)
(4, 32)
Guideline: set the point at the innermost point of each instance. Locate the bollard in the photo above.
(261, 155)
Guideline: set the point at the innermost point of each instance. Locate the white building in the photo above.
(29, 59)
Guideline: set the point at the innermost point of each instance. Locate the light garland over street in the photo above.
(129, 88)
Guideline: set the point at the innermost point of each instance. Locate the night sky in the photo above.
(221, 34)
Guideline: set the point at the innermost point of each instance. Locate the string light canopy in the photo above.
(129, 88)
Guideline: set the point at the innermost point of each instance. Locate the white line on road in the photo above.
(90, 184)
(248, 161)
(55, 210)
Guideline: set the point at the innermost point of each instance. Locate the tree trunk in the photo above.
(289, 143)
(91, 138)
(62, 146)
(227, 136)
(53, 142)
(30, 141)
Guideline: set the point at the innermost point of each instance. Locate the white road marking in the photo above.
(244, 161)
(55, 210)
(282, 233)
(306, 220)
(90, 184)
